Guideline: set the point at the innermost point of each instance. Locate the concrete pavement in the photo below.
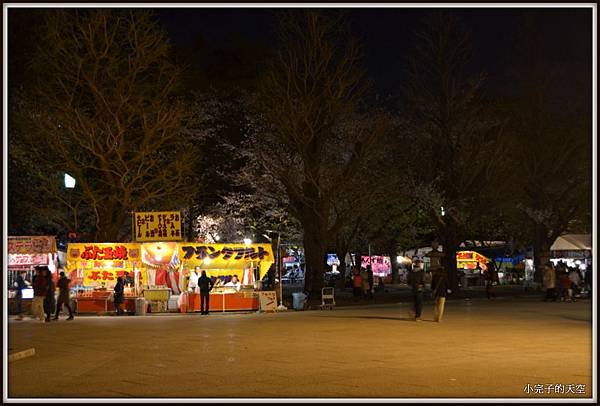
(482, 349)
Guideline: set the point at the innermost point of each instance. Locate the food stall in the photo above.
(24, 254)
(250, 263)
(94, 268)
(380, 265)
(466, 262)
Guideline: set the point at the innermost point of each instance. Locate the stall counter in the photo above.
(224, 301)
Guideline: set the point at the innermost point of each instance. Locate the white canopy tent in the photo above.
(573, 242)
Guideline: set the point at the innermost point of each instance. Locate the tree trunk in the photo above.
(450, 245)
(391, 250)
(314, 251)
(541, 251)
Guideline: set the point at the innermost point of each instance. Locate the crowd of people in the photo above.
(44, 302)
(564, 283)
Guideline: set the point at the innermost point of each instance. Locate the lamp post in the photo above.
(70, 184)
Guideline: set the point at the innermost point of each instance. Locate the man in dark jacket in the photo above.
(416, 280)
(63, 296)
(40, 288)
(119, 295)
(439, 286)
(205, 284)
(49, 300)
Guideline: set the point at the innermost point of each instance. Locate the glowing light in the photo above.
(247, 241)
(69, 181)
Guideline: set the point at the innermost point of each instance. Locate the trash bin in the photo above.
(140, 306)
(298, 300)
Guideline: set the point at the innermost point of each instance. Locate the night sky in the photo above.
(387, 35)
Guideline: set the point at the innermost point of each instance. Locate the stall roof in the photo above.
(572, 242)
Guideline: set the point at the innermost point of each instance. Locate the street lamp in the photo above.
(69, 181)
(69, 184)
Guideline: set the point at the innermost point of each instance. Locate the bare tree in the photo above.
(551, 118)
(456, 164)
(315, 138)
(103, 110)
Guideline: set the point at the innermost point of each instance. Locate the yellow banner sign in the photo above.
(224, 258)
(108, 276)
(103, 255)
(157, 226)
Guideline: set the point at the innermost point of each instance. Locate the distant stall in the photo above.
(471, 264)
(94, 268)
(575, 250)
(249, 263)
(24, 254)
(380, 265)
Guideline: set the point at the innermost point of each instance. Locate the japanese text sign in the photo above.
(27, 259)
(108, 277)
(226, 256)
(31, 245)
(157, 226)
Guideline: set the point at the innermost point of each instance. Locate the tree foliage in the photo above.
(102, 109)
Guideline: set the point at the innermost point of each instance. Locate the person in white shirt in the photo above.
(234, 282)
(192, 287)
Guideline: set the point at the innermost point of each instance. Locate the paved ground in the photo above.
(481, 349)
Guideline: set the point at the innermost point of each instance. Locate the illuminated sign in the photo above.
(157, 226)
(380, 265)
(27, 259)
(31, 245)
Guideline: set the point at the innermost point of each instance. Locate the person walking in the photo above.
(119, 295)
(439, 282)
(549, 282)
(370, 281)
(416, 280)
(63, 296)
(205, 284)
(49, 300)
(21, 283)
(40, 288)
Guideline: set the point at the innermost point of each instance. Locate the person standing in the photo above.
(205, 284)
(21, 284)
(370, 281)
(49, 300)
(490, 279)
(40, 288)
(356, 283)
(416, 280)
(439, 282)
(119, 295)
(364, 277)
(63, 296)
(549, 282)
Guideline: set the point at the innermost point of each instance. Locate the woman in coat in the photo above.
(549, 282)
(119, 295)
(49, 300)
(63, 296)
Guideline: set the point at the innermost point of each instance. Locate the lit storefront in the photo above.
(24, 254)
(160, 272)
